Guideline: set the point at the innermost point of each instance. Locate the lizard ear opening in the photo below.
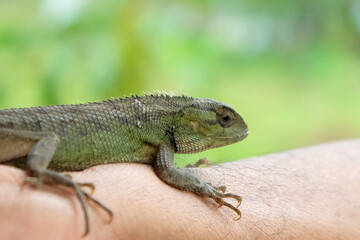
(195, 126)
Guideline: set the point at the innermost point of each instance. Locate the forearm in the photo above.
(309, 193)
(305, 193)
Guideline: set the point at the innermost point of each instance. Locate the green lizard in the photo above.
(148, 129)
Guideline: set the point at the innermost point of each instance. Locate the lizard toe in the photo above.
(218, 196)
(221, 188)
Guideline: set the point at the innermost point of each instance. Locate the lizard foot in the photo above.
(51, 177)
(218, 194)
(202, 161)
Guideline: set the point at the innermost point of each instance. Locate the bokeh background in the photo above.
(291, 68)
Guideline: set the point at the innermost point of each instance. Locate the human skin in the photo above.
(308, 193)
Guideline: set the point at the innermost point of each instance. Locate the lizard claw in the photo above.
(89, 185)
(219, 199)
(68, 175)
(230, 195)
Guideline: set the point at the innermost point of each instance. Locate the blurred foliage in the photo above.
(291, 68)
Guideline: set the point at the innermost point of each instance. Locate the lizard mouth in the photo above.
(243, 135)
(230, 140)
(239, 137)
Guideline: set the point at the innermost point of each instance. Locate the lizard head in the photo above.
(205, 123)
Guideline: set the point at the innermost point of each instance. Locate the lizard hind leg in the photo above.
(51, 177)
(39, 158)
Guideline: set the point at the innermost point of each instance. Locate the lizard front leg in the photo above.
(39, 147)
(183, 179)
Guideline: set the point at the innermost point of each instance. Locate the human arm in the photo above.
(309, 193)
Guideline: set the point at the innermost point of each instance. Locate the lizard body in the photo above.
(148, 129)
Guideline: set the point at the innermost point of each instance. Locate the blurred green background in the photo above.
(290, 68)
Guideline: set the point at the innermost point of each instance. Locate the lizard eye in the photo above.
(225, 117)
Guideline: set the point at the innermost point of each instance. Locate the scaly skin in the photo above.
(148, 129)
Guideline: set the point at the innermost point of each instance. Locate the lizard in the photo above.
(149, 129)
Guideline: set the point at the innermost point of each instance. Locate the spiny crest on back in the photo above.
(148, 96)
